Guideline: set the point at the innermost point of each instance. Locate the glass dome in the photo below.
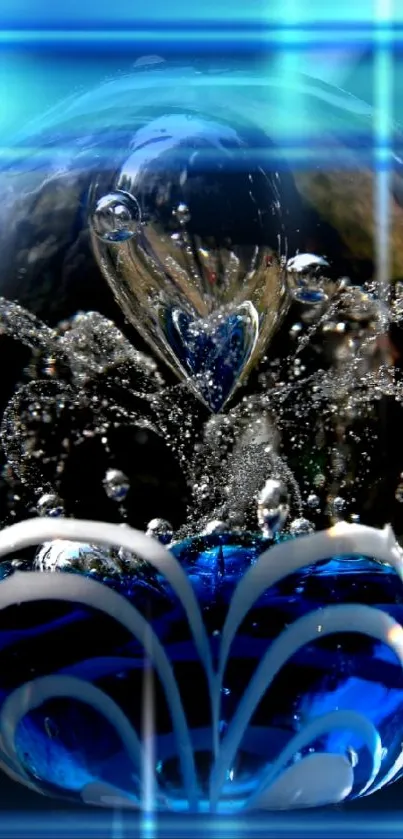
(202, 293)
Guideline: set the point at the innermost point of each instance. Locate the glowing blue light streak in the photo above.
(288, 35)
(383, 102)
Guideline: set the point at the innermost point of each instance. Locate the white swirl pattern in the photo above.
(316, 779)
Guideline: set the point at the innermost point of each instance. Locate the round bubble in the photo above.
(116, 217)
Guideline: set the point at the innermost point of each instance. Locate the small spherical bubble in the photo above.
(338, 505)
(182, 213)
(399, 493)
(308, 279)
(161, 530)
(50, 505)
(301, 527)
(116, 217)
(273, 507)
(215, 526)
(177, 239)
(20, 564)
(296, 330)
(313, 501)
(116, 485)
(56, 512)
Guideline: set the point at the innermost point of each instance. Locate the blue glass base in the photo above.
(66, 745)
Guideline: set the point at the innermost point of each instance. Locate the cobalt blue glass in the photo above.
(64, 744)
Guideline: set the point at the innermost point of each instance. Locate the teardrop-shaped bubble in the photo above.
(116, 217)
(203, 279)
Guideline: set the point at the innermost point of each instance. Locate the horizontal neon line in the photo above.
(263, 25)
(200, 40)
(286, 34)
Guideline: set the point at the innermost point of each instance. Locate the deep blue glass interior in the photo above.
(216, 359)
(65, 744)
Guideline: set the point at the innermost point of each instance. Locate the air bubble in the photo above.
(216, 526)
(116, 217)
(182, 214)
(399, 493)
(301, 527)
(116, 485)
(319, 480)
(161, 530)
(273, 507)
(50, 505)
(308, 280)
(338, 505)
(296, 330)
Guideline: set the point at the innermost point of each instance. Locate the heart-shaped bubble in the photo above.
(192, 243)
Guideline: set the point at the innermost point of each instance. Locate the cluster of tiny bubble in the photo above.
(339, 364)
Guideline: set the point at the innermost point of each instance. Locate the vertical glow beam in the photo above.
(117, 824)
(383, 102)
(288, 67)
(288, 59)
(148, 732)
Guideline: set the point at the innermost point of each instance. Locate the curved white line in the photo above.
(20, 777)
(281, 560)
(332, 619)
(397, 767)
(345, 720)
(272, 566)
(26, 586)
(36, 531)
(31, 695)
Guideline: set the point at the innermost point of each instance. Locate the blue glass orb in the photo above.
(79, 694)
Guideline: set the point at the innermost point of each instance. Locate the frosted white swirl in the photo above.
(36, 531)
(291, 556)
(342, 720)
(30, 586)
(35, 693)
(332, 619)
(314, 780)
